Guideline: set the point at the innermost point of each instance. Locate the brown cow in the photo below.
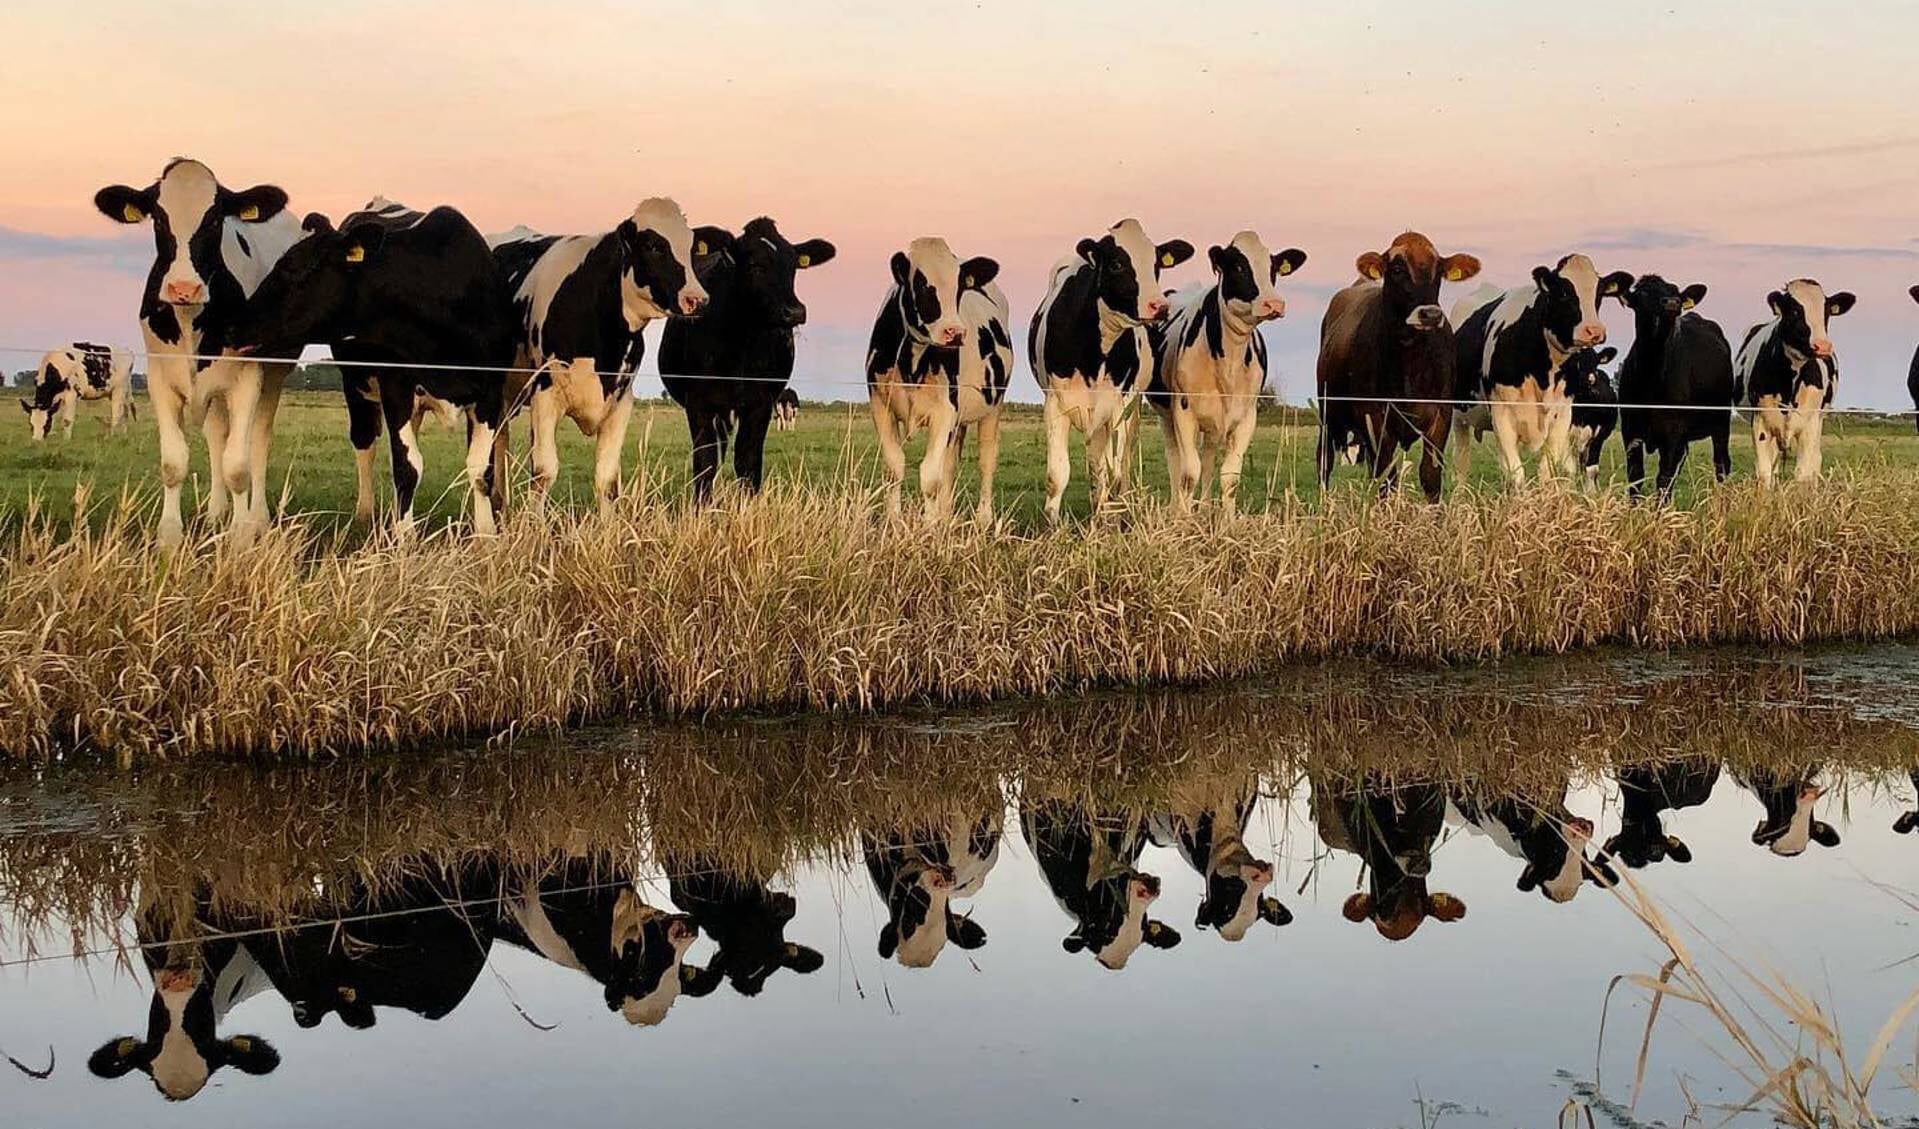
(1386, 336)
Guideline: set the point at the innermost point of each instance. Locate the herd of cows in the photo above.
(420, 944)
(421, 305)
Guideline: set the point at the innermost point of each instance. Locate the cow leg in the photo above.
(544, 421)
(481, 421)
(1208, 465)
(1506, 434)
(234, 457)
(1807, 462)
(1233, 464)
(213, 426)
(892, 450)
(1059, 465)
(703, 431)
(1386, 462)
(117, 406)
(1765, 448)
(955, 455)
(933, 477)
(1672, 454)
(1557, 456)
(1125, 441)
(988, 465)
(273, 380)
(396, 405)
(363, 430)
(609, 444)
(168, 409)
(1463, 455)
(1326, 455)
(1432, 454)
(749, 446)
(1099, 463)
(69, 411)
(1721, 450)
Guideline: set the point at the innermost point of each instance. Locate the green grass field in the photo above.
(313, 467)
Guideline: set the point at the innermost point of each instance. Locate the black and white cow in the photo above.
(1210, 834)
(1678, 358)
(1393, 828)
(1088, 859)
(1512, 346)
(734, 360)
(582, 913)
(746, 918)
(212, 247)
(1912, 374)
(582, 302)
(1210, 364)
(1645, 792)
(76, 372)
(1089, 350)
(1595, 415)
(1786, 373)
(195, 984)
(920, 871)
(786, 410)
(939, 358)
(1549, 841)
(394, 286)
(1790, 822)
(1908, 820)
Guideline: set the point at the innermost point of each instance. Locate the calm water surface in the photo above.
(1347, 899)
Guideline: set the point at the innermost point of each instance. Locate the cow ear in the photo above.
(801, 959)
(1915, 293)
(1445, 907)
(1458, 268)
(1528, 879)
(1073, 943)
(1692, 295)
(1616, 284)
(1902, 826)
(115, 1058)
(1160, 935)
(1357, 907)
(698, 982)
(813, 252)
(1172, 253)
(965, 932)
(1677, 850)
(1089, 247)
(316, 223)
(1542, 277)
(1212, 255)
(976, 273)
(1273, 912)
(1607, 354)
(1774, 300)
(1838, 304)
(901, 267)
(362, 241)
(1759, 833)
(251, 1054)
(1372, 265)
(711, 241)
(1824, 834)
(257, 204)
(121, 204)
(26, 406)
(1600, 872)
(1288, 261)
(889, 940)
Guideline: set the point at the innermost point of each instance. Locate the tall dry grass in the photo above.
(805, 600)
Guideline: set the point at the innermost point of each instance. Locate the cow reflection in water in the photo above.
(1645, 792)
(1087, 858)
(920, 871)
(1790, 822)
(1393, 829)
(1548, 840)
(583, 913)
(745, 918)
(1908, 821)
(1209, 832)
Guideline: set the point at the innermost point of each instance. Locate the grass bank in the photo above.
(302, 645)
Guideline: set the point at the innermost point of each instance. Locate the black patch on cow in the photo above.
(1677, 358)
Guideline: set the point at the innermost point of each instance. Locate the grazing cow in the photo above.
(1908, 820)
(584, 914)
(1786, 373)
(1386, 336)
(786, 410)
(1679, 359)
(1210, 364)
(1088, 860)
(1211, 836)
(1549, 841)
(195, 984)
(394, 286)
(80, 371)
(212, 246)
(1392, 828)
(1645, 791)
(940, 358)
(582, 302)
(1512, 347)
(1790, 823)
(1912, 374)
(1089, 349)
(919, 871)
(735, 359)
(745, 918)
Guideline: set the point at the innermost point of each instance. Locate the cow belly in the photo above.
(1089, 404)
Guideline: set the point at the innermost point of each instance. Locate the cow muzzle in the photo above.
(1822, 348)
(692, 304)
(1426, 318)
(184, 292)
(1590, 334)
(1271, 309)
(949, 335)
(1153, 309)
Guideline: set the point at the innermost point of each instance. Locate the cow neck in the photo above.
(1112, 326)
(914, 333)
(1235, 332)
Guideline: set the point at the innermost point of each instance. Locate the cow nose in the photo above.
(1272, 308)
(1582, 828)
(1822, 347)
(1153, 309)
(795, 314)
(1671, 305)
(1591, 333)
(1427, 317)
(682, 931)
(952, 335)
(184, 292)
(691, 304)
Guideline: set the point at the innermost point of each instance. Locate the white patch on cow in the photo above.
(933, 260)
(1799, 831)
(1132, 930)
(179, 1069)
(187, 192)
(1812, 298)
(1579, 270)
(530, 915)
(923, 947)
(1143, 254)
(1267, 303)
(519, 234)
(1512, 306)
(1748, 360)
(1563, 885)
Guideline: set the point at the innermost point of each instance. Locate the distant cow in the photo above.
(786, 410)
(746, 919)
(920, 871)
(1211, 836)
(940, 358)
(582, 302)
(394, 286)
(1790, 822)
(1645, 791)
(1386, 336)
(1512, 346)
(1549, 841)
(1210, 364)
(1787, 374)
(1393, 829)
(1912, 374)
(1680, 359)
(736, 358)
(1595, 415)
(80, 371)
(1088, 859)
(1089, 350)
(212, 246)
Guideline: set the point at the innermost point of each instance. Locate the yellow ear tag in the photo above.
(356, 254)
(133, 214)
(806, 261)
(966, 283)
(250, 213)
(1687, 304)
(700, 247)
(1455, 274)
(125, 1046)
(1166, 260)
(242, 1044)
(1285, 269)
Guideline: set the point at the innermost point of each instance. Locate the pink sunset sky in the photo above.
(1733, 142)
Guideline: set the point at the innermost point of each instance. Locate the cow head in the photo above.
(1790, 824)
(1803, 309)
(1584, 378)
(657, 252)
(1398, 909)
(310, 294)
(1568, 301)
(1126, 268)
(1556, 862)
(929, 280)
(755, 273)
(1235, 896)
(1410, 270)
(1643, 841)
(181, 1049)
(649, 949)
(188, 209)
(1657, 304)
(1112, 921)
(46, 400)
(1247, 271)
(918, 914)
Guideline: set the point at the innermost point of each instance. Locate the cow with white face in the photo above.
(583, 302)
(1210, 364)
(920, 871)
(1548, 841)
(1208, 829)
(76, 372)
(212, 247)
(1786, 372)
(1790, 823)
(1089, 858)
(1090, 351)
(939, 358)
(1513, 346)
